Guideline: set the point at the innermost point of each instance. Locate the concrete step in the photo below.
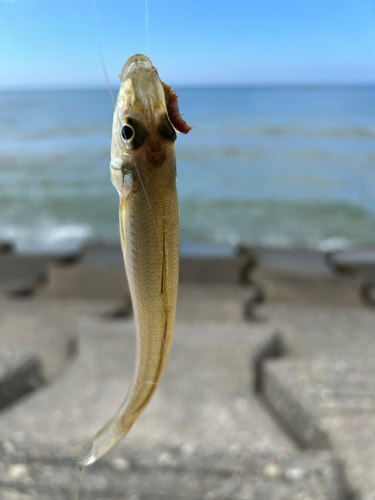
(213, 270)
(46, 328)
(329, 404)
(6, 247)
(314, 331)
(182, 473)
(351, 261)
(85, 282)
(204, 412)
(22, 275)
(301, 276)
(206, 395)
(219, 303)
(298, 262)
(100, 274)
(334, 291)
(21, 372)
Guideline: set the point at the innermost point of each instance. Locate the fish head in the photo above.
(143, 135)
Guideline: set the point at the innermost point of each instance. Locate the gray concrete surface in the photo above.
(205, 396)
(356, 260)
(22, 275)
(98, 275)
(322, 340)
(180, 472)
(21, 372)
(329, 403)
(335, 291)
(47, 328)
(301, 276)
(214, 270)
(6, 247)
(219, 303)
(205, 410)
(101, 275)
(315, 331)
(301, 262)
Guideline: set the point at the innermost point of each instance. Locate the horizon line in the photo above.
(290, 85)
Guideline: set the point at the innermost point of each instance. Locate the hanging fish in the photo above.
(143, 170)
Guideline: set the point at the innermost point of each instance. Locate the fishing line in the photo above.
(139, 175)
(80, 470)
(147, 32)
(96, 19)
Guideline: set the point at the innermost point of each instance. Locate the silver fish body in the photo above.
(143, 170)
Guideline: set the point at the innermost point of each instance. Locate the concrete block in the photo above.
(219, 303)
(6, 247)
(207, 264)
(48, 329)
(360, 260)
(182, 473)
(204, 435)
(22, 275)
(205, 397)
(334, 291)
(204, 249)
(315, 331)
(361, 263)
(212, 270)
(293, 400)
(99, 275)
(301, 276)
(21, 372)
(84, 282)
(329, 403)
(102, 255)
(297, 262)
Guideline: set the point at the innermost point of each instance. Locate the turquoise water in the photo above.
(287, 166)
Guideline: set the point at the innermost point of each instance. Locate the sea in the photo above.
(291, 166)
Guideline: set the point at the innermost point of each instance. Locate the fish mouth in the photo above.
(134, 63)
(116, 164)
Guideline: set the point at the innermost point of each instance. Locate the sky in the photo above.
(54, 43)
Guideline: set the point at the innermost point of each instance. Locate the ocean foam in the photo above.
(334, 243)
(46, 236)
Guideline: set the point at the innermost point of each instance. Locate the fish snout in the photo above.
(135, 62)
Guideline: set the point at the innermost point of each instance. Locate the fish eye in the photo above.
(133, 132)
(127, 133)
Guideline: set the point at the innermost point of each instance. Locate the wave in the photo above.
(46, 236)
(303, 131)
(226, 222)
(311, 224)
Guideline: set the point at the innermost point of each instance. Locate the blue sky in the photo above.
(53, 43)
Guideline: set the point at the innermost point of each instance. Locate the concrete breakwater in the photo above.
(268, 392)
(95, 270)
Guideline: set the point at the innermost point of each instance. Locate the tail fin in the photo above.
(105, 440)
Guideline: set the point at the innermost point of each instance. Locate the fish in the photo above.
(143, 171)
